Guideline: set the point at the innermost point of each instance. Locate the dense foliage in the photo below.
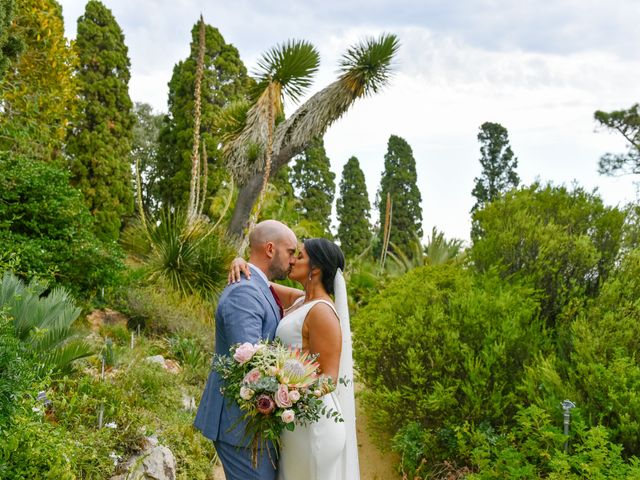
(353, 210)
(399, 180)
(100, 140)
(46, 230)
(315, 184)
(10, 45)
(564, 242)
(224, 80)
(498, 165)
(38, 92)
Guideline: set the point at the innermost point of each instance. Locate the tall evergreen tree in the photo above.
(315, 184)
(225, 80)
(498, 165)
(144, 151)
(38, 91)
(627, 123)
(353, 209)
(100, 141)
(10, 45)
(399, 181)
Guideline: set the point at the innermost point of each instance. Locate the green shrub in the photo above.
(42, 321)
(46, 230)
(564, 242)
(15, 369)
(441, 344)
(534, 448)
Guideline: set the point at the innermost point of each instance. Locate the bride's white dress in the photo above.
(316, 451)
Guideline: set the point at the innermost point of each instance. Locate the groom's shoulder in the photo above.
(243, 288)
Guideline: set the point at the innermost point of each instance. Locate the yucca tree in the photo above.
(259, 140)
(285, 70)
(44, 323)
(437, 251)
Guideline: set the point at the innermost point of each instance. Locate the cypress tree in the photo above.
(498, 165)
(353, 209)
(399, 181)
(225, 80)
(315, 184)
(100, 141)
(38, 91)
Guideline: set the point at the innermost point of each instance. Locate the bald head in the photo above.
(269, 231)
(272, 248)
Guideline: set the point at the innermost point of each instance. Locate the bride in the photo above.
(325, 450)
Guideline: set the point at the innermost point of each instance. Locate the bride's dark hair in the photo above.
(327, 256)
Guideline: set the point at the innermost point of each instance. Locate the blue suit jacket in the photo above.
(247, 312)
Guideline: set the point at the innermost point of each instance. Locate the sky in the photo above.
(540, 68)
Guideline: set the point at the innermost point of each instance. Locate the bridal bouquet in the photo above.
(276, 387)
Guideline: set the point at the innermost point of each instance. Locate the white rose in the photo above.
(294, 395)
(288, 416)
(246, 393)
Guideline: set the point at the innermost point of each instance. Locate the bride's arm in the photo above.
(287, 295)
(322, 329)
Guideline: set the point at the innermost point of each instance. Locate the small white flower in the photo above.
(36, 409)
(111, 425)
(246, 393)
(288, 416)
(116, 458)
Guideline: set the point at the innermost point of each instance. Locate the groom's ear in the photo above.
(270, 249)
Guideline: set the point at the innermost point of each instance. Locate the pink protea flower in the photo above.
(265, 404)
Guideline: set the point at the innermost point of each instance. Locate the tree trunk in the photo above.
(248, 192)
(247, 195)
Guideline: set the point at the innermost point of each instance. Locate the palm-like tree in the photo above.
(259, 140)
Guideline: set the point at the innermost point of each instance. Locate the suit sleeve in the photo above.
(243, 315)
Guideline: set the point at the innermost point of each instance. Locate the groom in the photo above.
(247, 312)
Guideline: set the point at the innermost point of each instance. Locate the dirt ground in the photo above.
(374, 464)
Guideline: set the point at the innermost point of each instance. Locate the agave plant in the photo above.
(44, 322)
(258, 140)
(191, 258)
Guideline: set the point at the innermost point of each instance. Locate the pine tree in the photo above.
(498, 165)
(225, 80)
(100, 141)
(353, 209)
(10, 45)
(315, 184)
(399, 181)
(38, 91)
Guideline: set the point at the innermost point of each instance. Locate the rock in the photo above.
(169, 365)
(157, 462)
(172, 366)
(98, 318)
(159, 359)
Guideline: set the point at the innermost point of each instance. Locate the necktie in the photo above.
(277, 299)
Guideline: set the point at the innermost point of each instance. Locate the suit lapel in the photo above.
(266, 291)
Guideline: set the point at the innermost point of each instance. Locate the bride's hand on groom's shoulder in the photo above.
(238, 266)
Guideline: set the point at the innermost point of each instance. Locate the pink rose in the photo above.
(265, 404)
(288, 416)
(252, 377)
(244, 353)
(294, 395)
(282, 397)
